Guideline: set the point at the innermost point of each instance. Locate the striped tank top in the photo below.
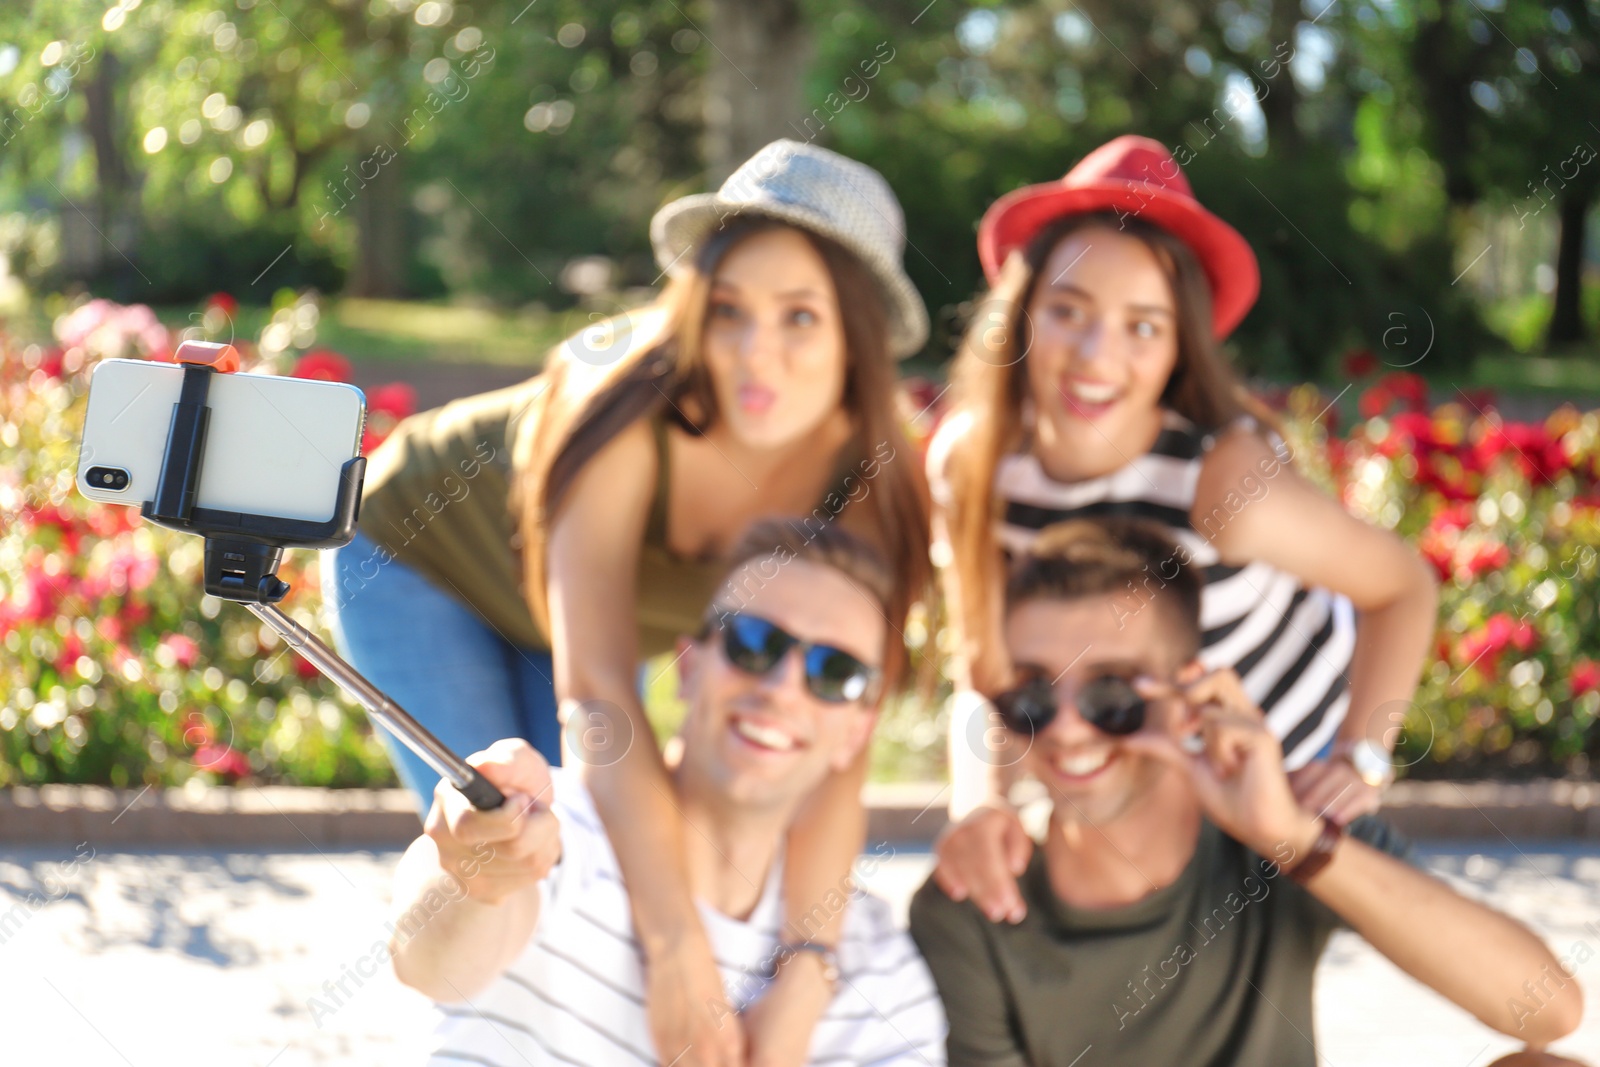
(1291, 643)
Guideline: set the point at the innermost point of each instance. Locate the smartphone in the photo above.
(274, 445)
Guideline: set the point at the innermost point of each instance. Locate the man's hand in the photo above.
(1332, 788)
(1235, 762)
(521, 837)
(981, 857)
(691, 1021)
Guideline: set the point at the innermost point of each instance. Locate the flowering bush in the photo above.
(1508, 515)
(116, 669)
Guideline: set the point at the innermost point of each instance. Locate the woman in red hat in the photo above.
(1091, 383)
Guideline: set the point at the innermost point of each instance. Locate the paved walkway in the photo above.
(173, 959)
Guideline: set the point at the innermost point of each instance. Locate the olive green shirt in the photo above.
(436, 497)
(1214, 970)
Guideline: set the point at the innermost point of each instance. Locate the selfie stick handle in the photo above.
(483, 795)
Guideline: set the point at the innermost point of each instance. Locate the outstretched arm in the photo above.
(1476, 956)
(1253, 507)
(466, 895)
(593, 564)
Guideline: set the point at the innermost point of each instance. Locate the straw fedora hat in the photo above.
(1138, 178)
(816, 190)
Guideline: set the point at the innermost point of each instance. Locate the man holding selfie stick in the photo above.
(1181, 898)
(517, 921)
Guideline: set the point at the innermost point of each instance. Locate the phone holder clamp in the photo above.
(242, 551)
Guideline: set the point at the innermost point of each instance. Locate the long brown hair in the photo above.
(585, 408)
(990, 384)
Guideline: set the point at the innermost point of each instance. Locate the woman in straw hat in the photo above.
(538, 542)
(1091, 383)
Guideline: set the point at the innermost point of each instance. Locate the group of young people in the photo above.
(1190, 648)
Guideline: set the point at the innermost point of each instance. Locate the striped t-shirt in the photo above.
(1291, 643)
(575, 995)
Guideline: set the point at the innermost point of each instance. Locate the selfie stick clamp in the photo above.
(243, 552)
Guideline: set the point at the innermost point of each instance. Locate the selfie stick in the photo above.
(242, 554)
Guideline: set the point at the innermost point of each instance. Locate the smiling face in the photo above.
(1103, 340)
(1091, 773)
(765, 740)
(774, 339)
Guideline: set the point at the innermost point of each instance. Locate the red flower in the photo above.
(1410, 389)
(1485, 558)
(1359, 362)
(1539, 456)
(1484, 646)
(1409, 432)
(1456, 516)
(1374, 400)
(304, 667)
(386, 406)
(1523, 635)
(1585, 677)
(50, 362)
(397, 398)
(222, 759)
(183, 648)
(67, 661)
(322, 364)
(33, 599)
(1439, 550)
(223, 302)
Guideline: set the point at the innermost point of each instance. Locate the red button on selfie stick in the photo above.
(214, 354)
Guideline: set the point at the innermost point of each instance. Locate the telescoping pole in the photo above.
(483, 795)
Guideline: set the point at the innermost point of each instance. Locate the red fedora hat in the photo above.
(1137, 178)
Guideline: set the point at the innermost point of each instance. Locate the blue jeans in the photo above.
(437, 659)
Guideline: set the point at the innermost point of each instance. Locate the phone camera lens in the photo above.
(113, 478)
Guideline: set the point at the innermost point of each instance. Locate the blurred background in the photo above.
(423, 196)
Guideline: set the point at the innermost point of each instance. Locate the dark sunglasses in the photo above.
(756, 645)
(1108, 702)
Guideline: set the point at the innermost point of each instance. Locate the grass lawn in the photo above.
(401, 331)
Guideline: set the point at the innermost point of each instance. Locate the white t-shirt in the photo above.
(575, 995)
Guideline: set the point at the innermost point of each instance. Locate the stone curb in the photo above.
(284, 817)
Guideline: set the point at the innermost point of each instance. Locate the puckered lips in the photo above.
(755, 398)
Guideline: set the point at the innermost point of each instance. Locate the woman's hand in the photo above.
(981, 857)
(779, 1025)
(1332, 788)
(690, 1018)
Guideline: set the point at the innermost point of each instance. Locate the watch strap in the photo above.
(1320, 854)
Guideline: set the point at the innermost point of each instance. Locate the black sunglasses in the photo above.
(1107, 702)
(756, 645)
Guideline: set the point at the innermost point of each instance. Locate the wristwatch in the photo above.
(1371, 762)
(830, 959)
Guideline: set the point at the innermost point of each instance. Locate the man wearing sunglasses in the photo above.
(517, 920)
(1178, 903)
